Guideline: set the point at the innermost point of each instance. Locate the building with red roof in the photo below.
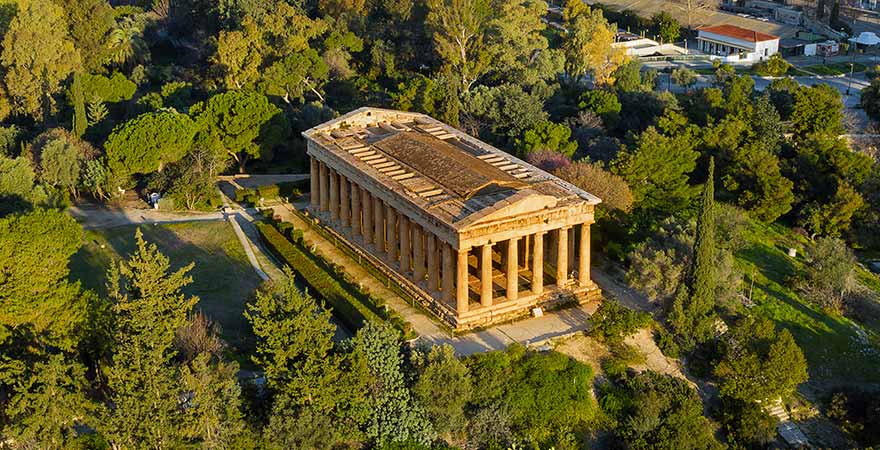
(737, 43)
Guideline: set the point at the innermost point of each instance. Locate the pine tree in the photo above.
(45, 406)
(692, 314)
(294, 341)
(80, 120)
(148, 308)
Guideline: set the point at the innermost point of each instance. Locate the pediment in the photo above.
(522, 202)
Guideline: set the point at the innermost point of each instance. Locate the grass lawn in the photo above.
(222, 277)
(838, 349)
(835, 69)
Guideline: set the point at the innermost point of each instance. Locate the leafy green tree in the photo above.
(518, 50)
(830, 273)
(666, 27)
(663, 412)
(148, 308)
(45, 407)
(833, 216)
(817, 109)
(782, 95)
(80, 120)
(148, 142)
(432, 96)
(693, 310)
(17, 178)
(292, 76)
(755, 177)
(60, 156)
(395, 417)
(34, 252)
(629, 77)
(459, 28)
(113, 89)
(90, 23)
(212, 414)
(10, 139)
(684, 77)
(241, 124)
(443, 388)
(656, 168)
(613, 322)
(759, 363)
(547, 135)
(775, 66)
(38, 55)
(602, 102)
(506, 111)
(747, 424)
(870, 99)
(239, 56)
(587, 46)
(294, 342)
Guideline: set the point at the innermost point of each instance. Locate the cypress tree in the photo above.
(80, 121)
(692, 310)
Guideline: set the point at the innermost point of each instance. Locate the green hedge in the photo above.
(347, 308)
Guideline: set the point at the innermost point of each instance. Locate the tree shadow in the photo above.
(222, 278)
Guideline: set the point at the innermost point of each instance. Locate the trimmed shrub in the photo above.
(349, 309)
(269, 191)
(241, 195)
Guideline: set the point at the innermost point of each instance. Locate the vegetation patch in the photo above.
(223, 279)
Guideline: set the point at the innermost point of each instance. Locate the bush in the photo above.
(241, 195)
(351, 311)
(269, 191)
(612, 322)
(775, 66)
(666, 342)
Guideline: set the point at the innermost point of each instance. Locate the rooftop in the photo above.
(454, 177)
(740, 33)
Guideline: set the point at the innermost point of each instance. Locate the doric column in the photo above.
(324, 188)
(367, 228)
(561, 257)
(418, 253)
(486, 275)
(355, 209)
(461, 282)
(584, 256)
(391, 232)
(378, 225)
(334, 195)
(448, 274)
(405, 246)
(512, 270)
(433, 273)
(571, 250)
(538, 263)
(344, 202)
(314, 200)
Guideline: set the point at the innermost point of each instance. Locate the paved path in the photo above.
(94, 217)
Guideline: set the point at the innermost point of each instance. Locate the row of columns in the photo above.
(428, 260)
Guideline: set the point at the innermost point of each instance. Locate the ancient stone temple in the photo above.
(476, 234)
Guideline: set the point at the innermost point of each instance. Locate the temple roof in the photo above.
(452, 176)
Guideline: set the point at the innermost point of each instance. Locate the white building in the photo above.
(638, 46)
(737, 44)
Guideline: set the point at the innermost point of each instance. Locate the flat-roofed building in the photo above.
(736, 43)
(478, 235)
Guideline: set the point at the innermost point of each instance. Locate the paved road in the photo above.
(95, 217)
